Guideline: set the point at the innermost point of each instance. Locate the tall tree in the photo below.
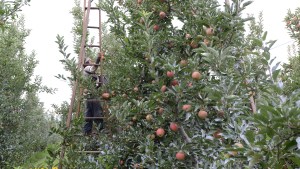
(291, 74)
(23, 124)
(202, 95)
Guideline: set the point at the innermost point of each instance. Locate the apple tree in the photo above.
(184, 82)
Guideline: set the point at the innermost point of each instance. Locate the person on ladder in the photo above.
(93, 106)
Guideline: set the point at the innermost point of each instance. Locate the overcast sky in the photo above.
(47, 18)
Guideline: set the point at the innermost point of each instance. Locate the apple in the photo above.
(105, 95)
(217, 134)
(186, 107)
(180, 155)
(193, 44)
(173, 126)
(196, 75)
(239, 145)
(134, 118)
(174, 83)
(221, 113)
(136, 89)
(156, 27)
(139, 2)
(142, 21)
(206, 42)
(233, 153)
(163, 88)
(160, 110)
(149, 117)
(85, 91)
(170, 44)
(188, 36)
(202, 114)
(162, 15)
(160, 132)
(151, 136)
(170, 74)
(183, 63)
(121, 162)
(209, 31)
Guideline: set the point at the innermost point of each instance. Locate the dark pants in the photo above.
(93, 109)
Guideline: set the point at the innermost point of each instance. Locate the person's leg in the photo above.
(88, 122)
(98, 112)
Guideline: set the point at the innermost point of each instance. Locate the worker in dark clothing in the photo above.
(93, 106)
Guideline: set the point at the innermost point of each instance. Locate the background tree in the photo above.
(23, 125)
(291, 73)
(9, 10)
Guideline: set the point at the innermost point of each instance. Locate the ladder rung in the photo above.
(91, 64)
(95, 8)
(93, 27)
(89, 151)
(100, 100)
(96, 46)
(94, 117)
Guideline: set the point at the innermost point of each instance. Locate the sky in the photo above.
(48, 18)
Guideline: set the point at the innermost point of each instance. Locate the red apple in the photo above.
(170, 74)
(173, 126)
(156, 27)
(160, 110)
(162, 15)
(217, 134)
(188, 36)
(186, 107)
(209, 31)
(139, 2)
(163, 88)
(105, 95)
(180, 155)
(183, 63)
(202, 114)
(196, 75)
(160, 132)
(206, 42)
(174, 83)
(194, 44)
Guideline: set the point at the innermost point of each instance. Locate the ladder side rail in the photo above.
(85, 22)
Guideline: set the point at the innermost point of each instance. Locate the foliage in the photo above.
(9, 10)
(250, 124)
(291, 70)
(23, 124)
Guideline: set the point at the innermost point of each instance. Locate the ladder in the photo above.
(86, 14)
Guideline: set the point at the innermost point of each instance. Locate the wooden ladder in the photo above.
(87, 9)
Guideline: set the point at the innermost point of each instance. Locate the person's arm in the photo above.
(92, 69)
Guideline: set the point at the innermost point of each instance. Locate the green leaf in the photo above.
(296, 161)
(250, 135)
